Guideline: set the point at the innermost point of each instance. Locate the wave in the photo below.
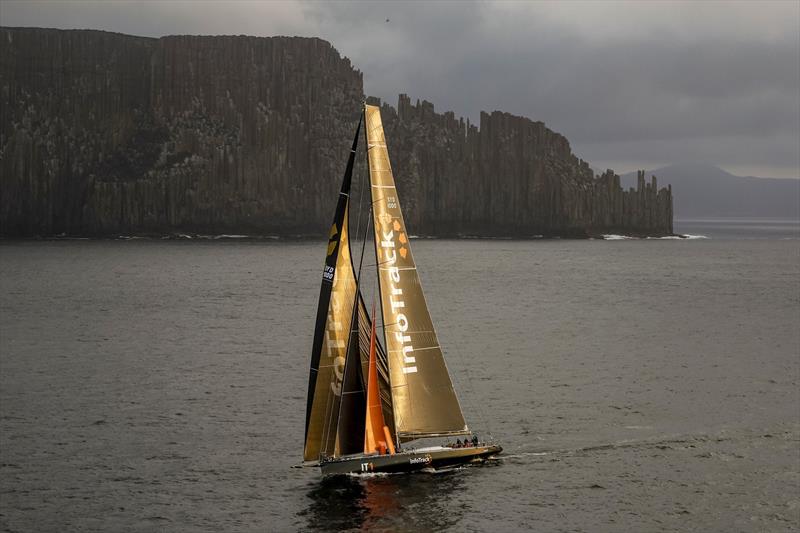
(668, 441)
(680, 237)
(363, 475)
(200, 236)
(503, 457)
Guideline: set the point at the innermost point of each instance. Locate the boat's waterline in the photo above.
(409, 461)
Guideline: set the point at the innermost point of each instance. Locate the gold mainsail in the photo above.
(423, 398)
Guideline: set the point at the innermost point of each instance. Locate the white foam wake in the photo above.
(683, 237)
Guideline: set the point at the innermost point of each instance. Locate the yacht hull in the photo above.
(409, 461)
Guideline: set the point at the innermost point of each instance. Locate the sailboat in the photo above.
(370, 401)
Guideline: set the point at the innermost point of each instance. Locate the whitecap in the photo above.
(362, 475)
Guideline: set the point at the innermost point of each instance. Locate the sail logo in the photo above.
(396, 302)
(333, 241)
(334, 342)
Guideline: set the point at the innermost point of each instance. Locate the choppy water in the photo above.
(635, 385)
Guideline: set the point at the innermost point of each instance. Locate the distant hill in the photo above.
(708, 191)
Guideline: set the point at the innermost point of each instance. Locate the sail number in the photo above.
(328, 272)
(367, 467)
(391, 202)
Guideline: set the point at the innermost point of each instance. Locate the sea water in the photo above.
(642, 385)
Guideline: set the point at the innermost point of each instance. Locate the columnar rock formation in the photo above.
(103, 134)
(510, 176)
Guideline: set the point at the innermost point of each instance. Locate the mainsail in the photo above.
(423, 399)
(333, 329)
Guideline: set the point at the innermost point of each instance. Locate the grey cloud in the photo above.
(736, 151)
(646, 82)
(662, 96)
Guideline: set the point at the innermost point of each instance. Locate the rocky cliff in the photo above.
(508, 176)
(103, 134)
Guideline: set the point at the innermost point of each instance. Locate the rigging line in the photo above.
(375, 290)
(400, 269)
(323, 449)
(374, 128)
(379, 263)
(360, 204)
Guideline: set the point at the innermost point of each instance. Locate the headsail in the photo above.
(423, 398)
(334, 315)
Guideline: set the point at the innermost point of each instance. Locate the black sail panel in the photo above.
(333, 324)
(423, 398)
(349, 436)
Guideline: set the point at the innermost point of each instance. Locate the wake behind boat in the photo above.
(369, 397)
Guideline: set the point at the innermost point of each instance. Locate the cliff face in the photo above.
(510, 176)
(103, 134)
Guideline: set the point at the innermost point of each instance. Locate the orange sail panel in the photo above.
(374, 439)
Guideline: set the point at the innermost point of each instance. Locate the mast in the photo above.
(423, 398)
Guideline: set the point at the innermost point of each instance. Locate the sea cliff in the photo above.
(104, 134)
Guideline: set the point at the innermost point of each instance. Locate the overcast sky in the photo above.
(631, 84)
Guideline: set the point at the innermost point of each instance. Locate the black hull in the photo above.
(409, 461)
